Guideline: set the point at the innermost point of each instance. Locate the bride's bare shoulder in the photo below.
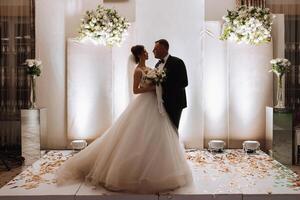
(138, 70)
(143, 70)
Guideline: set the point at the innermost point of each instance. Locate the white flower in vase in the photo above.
(280, 66)
(33, 70)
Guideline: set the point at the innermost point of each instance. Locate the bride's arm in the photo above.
(136, 82)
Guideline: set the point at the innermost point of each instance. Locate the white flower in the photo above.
(33, 62)
(280, 66)
(248, 24)
(34, 67)
(104, 26)
(37, 63)
(157, 76)
(30, 62)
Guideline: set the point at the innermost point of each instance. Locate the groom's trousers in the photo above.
(174, 115)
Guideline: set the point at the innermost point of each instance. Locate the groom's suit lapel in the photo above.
(168, 62)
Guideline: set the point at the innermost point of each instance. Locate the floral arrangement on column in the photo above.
(251, 25)
(33, 70)
(280, 66)
(104, 26)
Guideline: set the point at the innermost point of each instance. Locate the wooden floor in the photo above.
(16, 168)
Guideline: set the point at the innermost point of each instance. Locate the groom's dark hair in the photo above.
(164, 43)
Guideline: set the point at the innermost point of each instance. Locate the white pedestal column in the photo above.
(269, 129)
(33, 133)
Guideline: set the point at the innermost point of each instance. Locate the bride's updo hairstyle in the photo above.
(137, 50)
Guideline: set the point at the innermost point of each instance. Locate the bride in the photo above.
(139, 153)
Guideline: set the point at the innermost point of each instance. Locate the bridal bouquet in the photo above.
(251, 25)
(280, 66)
(104, 26)
(33, 67)
(156, 76)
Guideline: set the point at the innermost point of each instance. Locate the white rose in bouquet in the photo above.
(156, 76)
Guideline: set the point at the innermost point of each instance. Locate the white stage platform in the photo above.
(232, 175)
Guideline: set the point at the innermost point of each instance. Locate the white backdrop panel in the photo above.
(51, 88)
(123, 68)
(89, 89)
(180, 23)
(51, 35)
(215, 84)
(250, 91)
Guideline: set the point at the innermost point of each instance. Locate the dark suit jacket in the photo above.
(174, 86)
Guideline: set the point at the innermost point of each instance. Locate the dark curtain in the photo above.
(17, 31)
(255, 3)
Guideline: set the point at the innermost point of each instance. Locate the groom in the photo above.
(176, 80)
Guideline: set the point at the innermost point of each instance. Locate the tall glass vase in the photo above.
(280, 92)
(32, 92)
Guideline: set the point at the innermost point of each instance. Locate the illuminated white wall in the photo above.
(89, 95)
(184, 42)
(124, 7)
(56, 21)
(123, 68)
(250, 91)
(236, 83)
(215, 84)
(99, 86)
(237, 86)
(216, 9)
(179, 22)
(51, 86)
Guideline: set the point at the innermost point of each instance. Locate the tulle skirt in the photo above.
(139, 153)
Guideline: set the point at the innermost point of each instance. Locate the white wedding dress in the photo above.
(139, 153)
